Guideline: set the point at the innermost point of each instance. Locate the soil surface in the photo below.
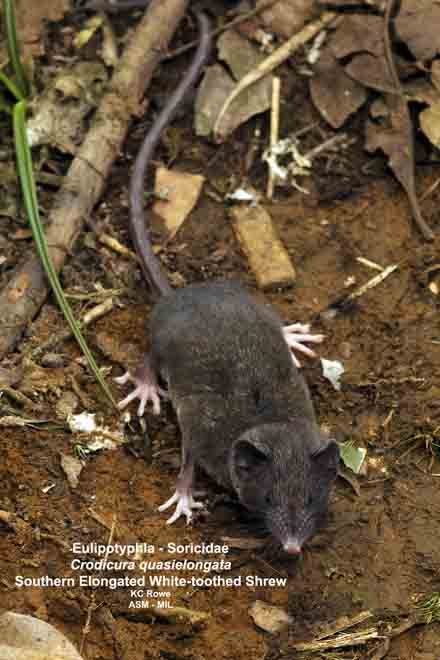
(380, 548)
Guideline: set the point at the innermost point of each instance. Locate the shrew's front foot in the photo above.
(185, 504)
(296, 335)
(146, 388)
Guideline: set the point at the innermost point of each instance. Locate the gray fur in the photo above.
(243, 407)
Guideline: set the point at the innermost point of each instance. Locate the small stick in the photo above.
(331, 311)
(369, 264)
(116, 246)
(274, 130)
(235, 21)
(83, 185)
(377, 279)
(430, 190)
(273, 61)
(327, 144)
(88, 318)
(343, 623)
(339, 641)
(20, 398)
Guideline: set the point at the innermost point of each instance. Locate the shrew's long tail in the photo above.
(140, 234)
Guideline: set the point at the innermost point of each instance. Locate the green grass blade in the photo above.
(11, 86)
(25, 171)
(14, 48)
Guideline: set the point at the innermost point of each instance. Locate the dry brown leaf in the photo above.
(286, 17)
(421, 91)
(395, 140)
(371, 71)
(72, 468)
(435, 74)
(241, 57)
(418, 26)
(182, 191)
(430, 123)
(30, 637)
(335, 94)
(358, 33)
(268, 617)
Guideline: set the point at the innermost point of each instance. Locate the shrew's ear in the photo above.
(249, 459)
(326, 458)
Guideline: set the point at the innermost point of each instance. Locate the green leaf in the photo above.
(14, 48)
(352, 457)
(11, 86)
(24, 163)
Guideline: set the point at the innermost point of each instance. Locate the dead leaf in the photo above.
(358, 34)
(371, 71)
(270, 618)
(417, 25)
(430, 123)
(421, 91)
(212, 93)
(72, 468)
(24, 637)
(182, 190)
(395, 140)
(286, 17)
(241, 57)
(435, 74)
(335, 94)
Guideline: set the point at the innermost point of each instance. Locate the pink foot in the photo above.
(295, 336)
(145, 390)
(185, 503)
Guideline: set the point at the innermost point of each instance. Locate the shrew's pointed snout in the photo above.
(292, 546)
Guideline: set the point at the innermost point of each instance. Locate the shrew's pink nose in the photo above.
(292, 547)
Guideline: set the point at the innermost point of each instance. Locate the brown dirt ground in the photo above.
(380, 550)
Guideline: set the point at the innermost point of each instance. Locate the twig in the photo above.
(235, 21)
(20, 398)
(327, 144)
(273, 61)
(340, 641)
(116, 246)
(344, 623)
(373, 282)
(430, 190)
(92, 315)
(331, 311)
(369, 264)
(274, 130)
(88, 173)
